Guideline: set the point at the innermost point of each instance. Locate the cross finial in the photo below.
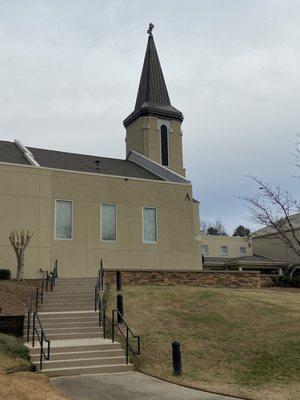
(150, 29)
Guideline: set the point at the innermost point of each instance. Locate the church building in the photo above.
(136, 213)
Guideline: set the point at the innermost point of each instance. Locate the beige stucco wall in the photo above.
(27, 200)
(143, 135)
(214, 244)
(272, 246)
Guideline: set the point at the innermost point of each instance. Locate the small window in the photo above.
(224, 250)
(164, 140)
(109, 222)
(63, 219)
(149, 225)
(242, 251)
(205, 249)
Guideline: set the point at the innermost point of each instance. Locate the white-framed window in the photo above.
(63, 219)
(204, 249)
(149, 217)
(242, 251)
(224, 250)
(108, 222)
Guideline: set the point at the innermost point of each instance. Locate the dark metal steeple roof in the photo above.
(152, 97)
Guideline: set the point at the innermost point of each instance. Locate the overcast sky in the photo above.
(70, 72)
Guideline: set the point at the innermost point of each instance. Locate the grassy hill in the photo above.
(236, 342)
(16, 382)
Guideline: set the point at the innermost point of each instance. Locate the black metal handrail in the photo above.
(100, 276)
(39, 331)
(37, 296)
(53, 276)
(42, 287)
(99, 306)
(123, 327)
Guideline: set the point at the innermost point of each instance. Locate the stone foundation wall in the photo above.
(266, 280)
(233, 279)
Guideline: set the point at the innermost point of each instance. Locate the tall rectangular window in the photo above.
(242, 251)
(149, 225)
(63, 219)
(224, 250)
(205, 249)
(109, 222)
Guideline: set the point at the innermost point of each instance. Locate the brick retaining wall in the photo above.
(233, 279)
(12, 324)
(266, 280)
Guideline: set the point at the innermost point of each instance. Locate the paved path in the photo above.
(127, 386)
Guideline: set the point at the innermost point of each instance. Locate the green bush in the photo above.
(286, 281)
(13, 347)
(5, 273)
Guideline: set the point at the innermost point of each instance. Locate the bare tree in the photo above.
(204, 225)
(19, 242)
(274, 208)
(216, 228)
(296, 154)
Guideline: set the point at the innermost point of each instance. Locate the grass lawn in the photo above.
(237, 342)
(16, 382)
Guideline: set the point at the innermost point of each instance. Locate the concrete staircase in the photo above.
(71, 324)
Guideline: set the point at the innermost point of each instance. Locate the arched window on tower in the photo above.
(164, 142)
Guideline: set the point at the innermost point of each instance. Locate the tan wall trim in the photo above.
(94, 174)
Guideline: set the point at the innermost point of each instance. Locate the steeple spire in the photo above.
(152, 97)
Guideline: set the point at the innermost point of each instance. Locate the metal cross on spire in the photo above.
(150, 29)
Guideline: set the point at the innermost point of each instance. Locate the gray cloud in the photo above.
(70, 71)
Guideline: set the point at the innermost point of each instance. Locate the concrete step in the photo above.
(76, 289)
(80, 354)
(63, 307)
(72, 329)
(78, 285)
(69, 318)
(68, 302)
(75, 284)
(70, 335)
(78, 345)
(95, 369)
(68, 297)
(79, 279)
(63, 324)
(82, 362)
(92, 323)
(79, 322)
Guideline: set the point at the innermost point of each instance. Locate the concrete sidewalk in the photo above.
(127, 386)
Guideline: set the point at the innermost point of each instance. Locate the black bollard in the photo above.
(176, 353)
(118, 281)
(119, 308)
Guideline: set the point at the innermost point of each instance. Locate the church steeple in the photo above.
(152, 97)
(154, 127)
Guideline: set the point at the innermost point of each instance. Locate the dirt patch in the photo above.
(16, 382)
(14, 295)
(28, 386)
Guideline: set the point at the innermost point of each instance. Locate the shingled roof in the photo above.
(152, 97)
(11, 153)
